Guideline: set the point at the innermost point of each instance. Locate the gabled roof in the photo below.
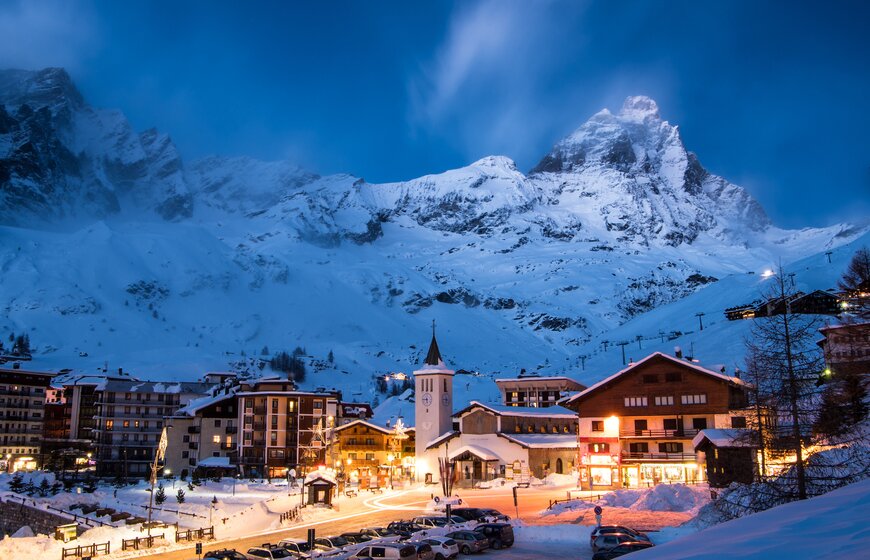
(655, 355)
(543, 441)
(727, 437)
(522, 411)
(447, 436)
(364, 423)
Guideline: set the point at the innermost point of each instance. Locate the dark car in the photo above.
(469, 541)
(379, 532)
(405, 528)
(357, 537)
(500, 535)
(480, 514)
(600, 530)
(225, 554)
(606, 541)
(621, 550)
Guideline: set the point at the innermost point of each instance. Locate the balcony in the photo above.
(684, 434)
(259, 425)
(252, 460)
(259, 410)
(232, 430)
(228, 446)
(193, 429)
(629, 456)
(193, 445)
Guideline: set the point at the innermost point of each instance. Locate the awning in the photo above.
(479, 452)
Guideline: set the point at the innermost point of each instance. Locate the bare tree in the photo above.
(785, 364)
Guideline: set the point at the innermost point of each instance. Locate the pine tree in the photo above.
(160, 496)
(56, 488)
(330, 357)
(17, 483)
(264, 351)
(180, 496)
(44, 487)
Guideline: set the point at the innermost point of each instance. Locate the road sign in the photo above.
(597, 510)
(198, 548)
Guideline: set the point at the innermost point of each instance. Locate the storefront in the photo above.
(643, 475)
(599, 471)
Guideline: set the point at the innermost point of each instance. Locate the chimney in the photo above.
(16, 365)
(737, 373)
(120, 371)
(678, 352)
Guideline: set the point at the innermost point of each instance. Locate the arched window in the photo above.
(559, 466)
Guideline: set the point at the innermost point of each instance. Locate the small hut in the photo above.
(320, 488)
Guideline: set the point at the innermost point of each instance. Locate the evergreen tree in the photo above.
(330, 357)
(264, 351)
(180, 496)
(56, 488)
(160, 496)
(17, 483)
(44, 487)
(195, 480)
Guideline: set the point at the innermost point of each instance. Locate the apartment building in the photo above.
(204, 437)
(130, 416)
(363, 450)
(283, 428)
(535, 390)
(22, 415)
(847, 348)
(636, 426)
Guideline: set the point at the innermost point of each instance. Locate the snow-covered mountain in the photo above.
(171, 268)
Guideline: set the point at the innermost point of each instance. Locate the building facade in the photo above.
(22, 417)
(284, 429)
(204, 438)
(847, 348)
(636, 426)
(130, 417)
(364, 450)
(536, 391)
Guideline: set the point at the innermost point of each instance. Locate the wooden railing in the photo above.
(87, 550)
(139, 543)
(659, 456)
(291, 515)
(206, 534)
(659, 433)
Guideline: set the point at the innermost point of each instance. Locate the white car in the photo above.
(444, 548)
(393, 551)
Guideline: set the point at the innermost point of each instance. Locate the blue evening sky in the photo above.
(772, 95)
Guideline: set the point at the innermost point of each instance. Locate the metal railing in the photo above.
(659, 456)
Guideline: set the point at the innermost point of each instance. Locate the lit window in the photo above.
(216, 439)
(694, 399)
(664, 401)
(635, 401)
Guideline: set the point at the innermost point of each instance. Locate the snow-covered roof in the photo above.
(476, 450)
(678, 361)
(198, 404)
(364, 423)
(726, 437)
(133, 386)
(524, 411)
(327, 476)
(441, 439)
(544, 441)
(216, 462)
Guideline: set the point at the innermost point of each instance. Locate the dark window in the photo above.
(738, 421)
(640, 425)
(185, 438)
(598, 425)
(650, 378)
(670, 423)
(673, 377)
(217, 423)
(642, 447)
(699, 423)
(671, 447)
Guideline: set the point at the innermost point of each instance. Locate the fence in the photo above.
(590, 498)
(195, 534)
(175, 511)
(86, 550)
(291, 515)
(140, 542)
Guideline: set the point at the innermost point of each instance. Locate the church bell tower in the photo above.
(433, 407)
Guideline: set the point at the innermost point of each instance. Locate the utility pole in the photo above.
(828, 254)
(639, 338)
(605, 343)
(700, 319)
(583, 362)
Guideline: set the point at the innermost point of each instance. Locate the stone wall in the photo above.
(14, 516)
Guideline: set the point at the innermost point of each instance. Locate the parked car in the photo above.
(606, 541)
(621, 550)
(330, 544)
(405, 527)
(432, 521)
(469, 541)
(616, 529)
(444, 548)
(297, 548)
(480, 514)
(389, 551)
(500, 535)
(379, 532)
(224, 554)
(424, 550)
(269, 552)
(357, 538)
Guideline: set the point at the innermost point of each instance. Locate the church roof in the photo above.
(433, 358)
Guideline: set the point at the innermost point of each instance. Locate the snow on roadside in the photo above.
(664, 497)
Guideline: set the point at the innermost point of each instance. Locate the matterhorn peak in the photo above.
(639, 108)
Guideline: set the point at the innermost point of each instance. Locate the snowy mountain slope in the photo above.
(618, 232)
